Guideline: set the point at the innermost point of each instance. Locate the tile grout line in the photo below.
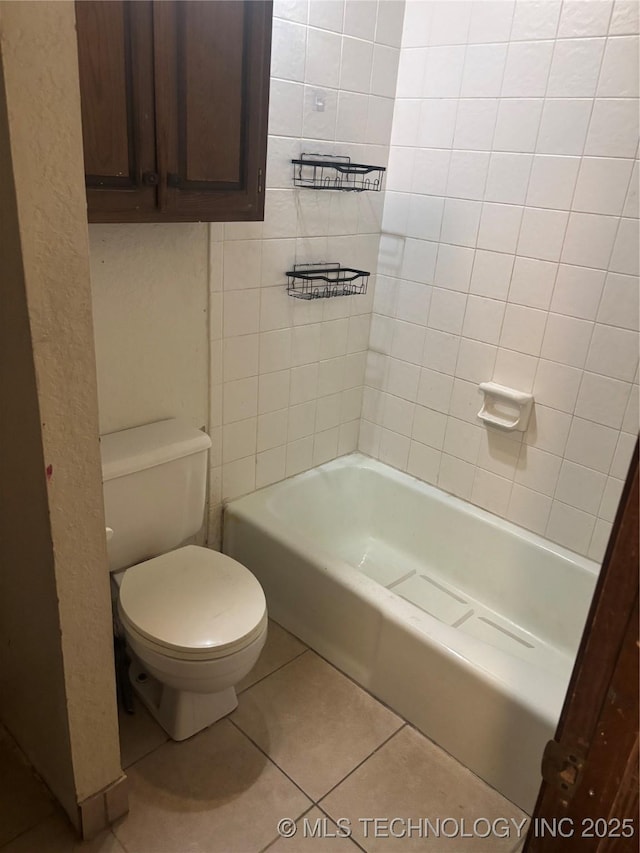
(277, 669)
(359, 765)
(271, 760)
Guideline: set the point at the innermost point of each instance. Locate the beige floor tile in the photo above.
(24, 800)
(315, 833)
(280, 648)
(55, 835)
(314, 722)
(139, 734)
(213, 793)
(410, 777)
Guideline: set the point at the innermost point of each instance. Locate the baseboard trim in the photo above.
(100, 810)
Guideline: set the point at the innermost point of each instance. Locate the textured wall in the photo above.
(149, 286)
(510, 252)
(56, 662)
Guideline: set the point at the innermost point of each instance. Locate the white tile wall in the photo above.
(287, 375)
(510, 252)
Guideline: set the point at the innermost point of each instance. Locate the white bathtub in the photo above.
(464, 624)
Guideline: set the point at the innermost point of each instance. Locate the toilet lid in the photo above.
(193, 599)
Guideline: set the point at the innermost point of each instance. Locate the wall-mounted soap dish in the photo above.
(504, 407)
(332, 172)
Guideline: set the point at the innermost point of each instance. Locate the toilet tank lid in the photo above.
(143, 447)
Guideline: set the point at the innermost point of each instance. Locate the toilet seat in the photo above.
(192, 604)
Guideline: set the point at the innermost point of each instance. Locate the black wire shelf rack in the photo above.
(325, 280)
(332, 172)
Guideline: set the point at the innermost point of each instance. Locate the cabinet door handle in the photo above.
(150, 179)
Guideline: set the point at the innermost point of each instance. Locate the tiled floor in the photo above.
(305, 743)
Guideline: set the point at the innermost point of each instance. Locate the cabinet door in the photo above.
(212, 92)
(115, 55)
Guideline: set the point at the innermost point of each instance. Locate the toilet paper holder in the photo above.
(505, 408)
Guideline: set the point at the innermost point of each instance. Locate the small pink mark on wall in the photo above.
(49, 470)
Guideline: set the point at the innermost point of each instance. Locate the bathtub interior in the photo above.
(477, 574)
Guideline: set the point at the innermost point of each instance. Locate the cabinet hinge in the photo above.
(562, 767)
(259, 181)
(150, 179)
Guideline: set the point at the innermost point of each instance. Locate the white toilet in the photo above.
(195, 620)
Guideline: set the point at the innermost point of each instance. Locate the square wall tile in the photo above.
(537, 469)
(515, 369)
(580, 487)
(491, 274)
(453, 267)
(589, 240)
(527, 69)
(360, 18)
(577, 291)
(238, 478)
(270, 466)
(613, 352)
(483, 70)
(434, 390)
(553, 181)
(566, 340)
(508, 177)
(580, 18)
(625, 255)
(602, 185)
(499, 227)
(491, 492)
(443, 72)
(288, 49)
(475, 123)
(575, 67)
(447, 310)
(591, 445)
(570, 527)
(456, 476)
(620, 305)
(563, 129)
(602, 399)
(461, 222)
(356, 65)
(625, 18)
(557, 385)
(542, 233)
(619, 73)
(529, 509)
(517, 124)
(532, 283)
(548, 429)
(523, 329)
(423, 462)
(483, 319)
(429, 427)
(613, 130)
(475, 360)
(535, 19)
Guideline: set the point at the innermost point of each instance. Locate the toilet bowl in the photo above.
(195, 622)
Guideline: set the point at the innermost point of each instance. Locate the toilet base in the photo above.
(180, 713)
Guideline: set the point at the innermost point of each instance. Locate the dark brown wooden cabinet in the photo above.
(175, 100)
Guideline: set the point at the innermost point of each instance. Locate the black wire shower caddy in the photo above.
(325, 280)
(332, 172)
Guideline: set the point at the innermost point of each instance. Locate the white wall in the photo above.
(57, 685)
(282, 388)
(510, 252)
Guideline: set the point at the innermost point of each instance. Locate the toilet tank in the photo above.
(154, 482)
